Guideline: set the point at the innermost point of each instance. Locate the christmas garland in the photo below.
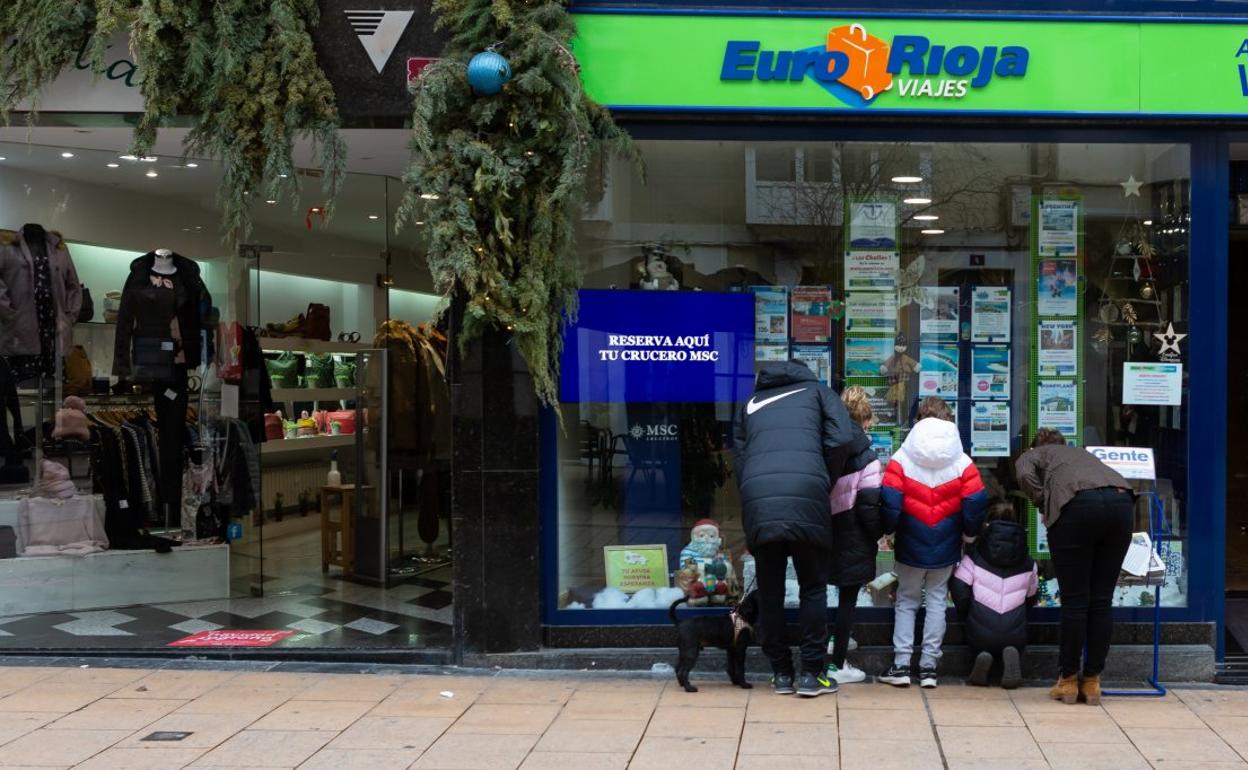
(246, 69)
(499, 172)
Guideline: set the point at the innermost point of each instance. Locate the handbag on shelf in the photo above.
(112, 305)
(78, 372)
(283, 370)
(344, 419)
(320, 367)
(273, 429)
(87, 310)
(316, 322)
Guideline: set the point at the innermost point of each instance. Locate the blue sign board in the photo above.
(659, 347)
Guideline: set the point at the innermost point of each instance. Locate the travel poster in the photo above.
(1057, 404)
(990, 314)
(872, 226)
(938, 369)
(1059, 229)
(871, 311)
(871, 270)
(771, 314)
(811, 314)
(818, 358)
(990, 429)
(990, 371)
(938, 313)
(865, 355)
(1058, 354)
(1057, 288)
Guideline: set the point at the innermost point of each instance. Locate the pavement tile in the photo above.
(1081, 756)
(879, 696)
(476, 752)
(1031, 700)
(994, 713)
(599, 705)
(713, 694)
(1088, 725)
(1223, 703)
(313, 715)
(142, 759)
(1233, 730)
(546, 760)
(116, 714)
(506, 719)
(392, 733)
(91, 675)
(965, 692)
(1168, 744)
(174, 684)
(50, 696)
(666, 753)
(592, 736)
(1150, 713)
(960, 763)
(362, 759)
(526, 691)
(873, 754)
(460, 685)
(58, 748)
(633, 686)
(235, 700)
(766, 706)
(902, 724)
(423, 703)
(1169, 763)
(1012, 743)
(712, 722)
(14, 678)
(787, 762)
(266, 748)
(772, 738)
(351, 687)
(207, 731)
(17, 724)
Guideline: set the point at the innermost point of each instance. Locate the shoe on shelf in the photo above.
(853, 644)
(927, 678)
(846, 674)
(1090, 689)
(1066, 690)
(979, 671)
(1012, 668)
(897, 676)
(782, 684)
(814, 685)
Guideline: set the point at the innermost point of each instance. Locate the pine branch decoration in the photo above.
(509, 174)
(246, 69)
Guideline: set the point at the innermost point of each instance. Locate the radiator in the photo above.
(290, 481)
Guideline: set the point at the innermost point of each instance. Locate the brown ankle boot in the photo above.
(1066, 690)
(1090, 689)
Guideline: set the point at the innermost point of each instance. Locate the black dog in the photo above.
(716, 631)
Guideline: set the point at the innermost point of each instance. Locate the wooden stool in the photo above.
(338, 537)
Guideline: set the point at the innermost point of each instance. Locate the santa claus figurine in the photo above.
(717, 579)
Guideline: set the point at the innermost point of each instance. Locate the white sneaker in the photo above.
(853, 644)
(847, 674)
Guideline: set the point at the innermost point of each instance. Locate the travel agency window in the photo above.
(1030, 285)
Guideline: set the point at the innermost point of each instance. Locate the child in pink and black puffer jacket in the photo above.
(992, 587)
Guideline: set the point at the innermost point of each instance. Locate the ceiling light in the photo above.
(917, 201)
(192, 165)
(932, 232)
(148, 159)
(420, 222)
(907, 179)
(270, 202)
(1147, 222)
(284, 176)
(429, 196)
(3, 158)
(373, 216)
(67, 155)
(926, 217)
(128, 157)
(114, 165)
(151, 174)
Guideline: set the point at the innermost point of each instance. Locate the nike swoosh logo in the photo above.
(753, 406)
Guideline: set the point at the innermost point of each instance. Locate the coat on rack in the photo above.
(19, 325)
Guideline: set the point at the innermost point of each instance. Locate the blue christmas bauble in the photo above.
(488, 72)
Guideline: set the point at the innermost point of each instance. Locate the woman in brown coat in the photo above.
(1088, 511)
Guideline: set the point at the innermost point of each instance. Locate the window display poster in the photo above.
(865, 355)
(990, 371)
(1058, 350)
(631, 568)
(938, 313)
(1056, 290)
(990, 429)
(811, 318)
(818, 358)
(883, 408)
(871, 311)
(771, 352)
(938, 369)
(990, 314)
(873, 226)
(771, 314)
(884, 444)
(871, 270)
(1158, 384)
(1057, 404)
(1059, 229)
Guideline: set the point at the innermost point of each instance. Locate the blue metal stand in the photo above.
(1159, 532)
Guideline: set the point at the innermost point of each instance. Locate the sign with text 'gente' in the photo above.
(914, 65)
(659, 347)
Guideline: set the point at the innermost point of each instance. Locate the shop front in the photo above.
(1025, 216)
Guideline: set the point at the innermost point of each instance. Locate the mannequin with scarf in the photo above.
(159, 339)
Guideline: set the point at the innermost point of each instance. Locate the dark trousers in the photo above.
(1088, 543)
(812, 564)
(847, 602)
(171, 426)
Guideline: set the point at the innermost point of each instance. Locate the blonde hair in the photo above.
(935, 406)
(858, 404)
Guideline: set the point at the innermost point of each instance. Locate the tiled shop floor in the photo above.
(100, 717)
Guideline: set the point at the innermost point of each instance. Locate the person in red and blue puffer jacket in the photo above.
(933, 498)
(992, 588)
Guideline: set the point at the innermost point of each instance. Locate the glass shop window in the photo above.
(1029, 285)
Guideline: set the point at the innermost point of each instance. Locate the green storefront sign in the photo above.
(921, 65)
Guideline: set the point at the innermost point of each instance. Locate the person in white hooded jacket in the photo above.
(932, 498)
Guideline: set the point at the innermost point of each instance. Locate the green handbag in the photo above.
(320, 367)
(344, 371)
(283, 370)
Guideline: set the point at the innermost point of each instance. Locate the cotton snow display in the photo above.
(645, 599)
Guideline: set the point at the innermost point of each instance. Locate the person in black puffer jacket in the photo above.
(791, 441)
(992, 588)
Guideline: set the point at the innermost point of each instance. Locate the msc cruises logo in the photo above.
(379, 32)
(858, 67)
(655, 432)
